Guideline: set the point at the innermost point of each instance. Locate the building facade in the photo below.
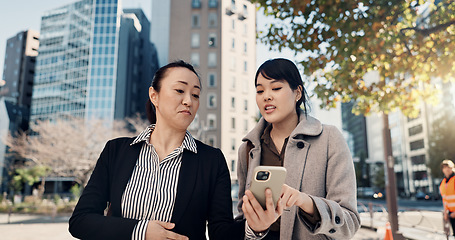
(219, 38)
(94, 62)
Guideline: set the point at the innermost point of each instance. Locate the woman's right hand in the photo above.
(157, 230)
(259, 219)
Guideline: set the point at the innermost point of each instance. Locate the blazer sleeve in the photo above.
(88, 220)
(338, 210)
(221, 225)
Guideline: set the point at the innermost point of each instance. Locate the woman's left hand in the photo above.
(293, 197)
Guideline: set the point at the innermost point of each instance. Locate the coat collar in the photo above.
(307, 126)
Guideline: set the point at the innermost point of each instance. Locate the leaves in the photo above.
(403, 41)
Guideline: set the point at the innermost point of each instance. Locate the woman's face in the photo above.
(275, 99)
(178, 100)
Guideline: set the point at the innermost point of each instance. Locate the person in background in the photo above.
(319, 194)
(447, 189)
(162, 184)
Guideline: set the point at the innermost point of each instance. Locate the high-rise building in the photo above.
(219, 38)
(94, 61)
(355, 125)
(19, 68)
(16, 92)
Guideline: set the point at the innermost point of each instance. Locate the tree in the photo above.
(69, 148)
(441, 144)
(407, 42)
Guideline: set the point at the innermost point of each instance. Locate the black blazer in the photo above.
(203, 195)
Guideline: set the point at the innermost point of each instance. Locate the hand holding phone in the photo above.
(264, 177)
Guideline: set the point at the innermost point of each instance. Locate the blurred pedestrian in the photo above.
(319, 196)
(447, 189)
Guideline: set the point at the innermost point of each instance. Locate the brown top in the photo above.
(271, 157)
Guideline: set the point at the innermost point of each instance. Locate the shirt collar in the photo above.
(188, 141)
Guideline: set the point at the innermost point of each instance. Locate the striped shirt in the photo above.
(151, 191)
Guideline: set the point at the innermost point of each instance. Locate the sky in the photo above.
(20, 15)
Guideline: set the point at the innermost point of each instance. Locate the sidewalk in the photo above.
(32, 227)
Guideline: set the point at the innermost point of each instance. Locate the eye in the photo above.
(259, 91)
(196, 96)
(276, 89)
(179, 90)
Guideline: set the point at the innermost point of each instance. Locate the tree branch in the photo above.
(428, 31)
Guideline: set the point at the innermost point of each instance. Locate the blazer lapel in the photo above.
(186, 184)
(127, 160)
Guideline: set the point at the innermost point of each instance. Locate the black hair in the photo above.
(284, 69)
(156, 84)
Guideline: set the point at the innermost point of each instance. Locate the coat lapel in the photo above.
(186, 184)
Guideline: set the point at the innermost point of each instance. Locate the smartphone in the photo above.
(267, 177)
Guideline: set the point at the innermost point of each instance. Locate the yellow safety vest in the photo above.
(448, 193)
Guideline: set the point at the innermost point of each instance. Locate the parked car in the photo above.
(422, 196)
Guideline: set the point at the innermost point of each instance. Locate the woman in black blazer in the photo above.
(163, 184)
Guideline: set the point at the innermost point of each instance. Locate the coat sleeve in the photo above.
(221, 225)
(242, 171)
(338, 210)
(88, 220)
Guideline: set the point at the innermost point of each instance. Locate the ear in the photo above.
(299, 93)
(153, 96)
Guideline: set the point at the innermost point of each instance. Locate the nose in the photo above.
(186, 101)
(267, 96)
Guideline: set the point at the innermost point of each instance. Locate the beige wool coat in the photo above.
(318, 162)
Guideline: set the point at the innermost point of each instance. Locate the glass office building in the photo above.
(77, 71)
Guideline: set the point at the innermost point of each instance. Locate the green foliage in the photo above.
(27, 175)
(441, 144)
(347, 39)
(76, 190)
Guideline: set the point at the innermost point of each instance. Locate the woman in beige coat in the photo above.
(319, 195)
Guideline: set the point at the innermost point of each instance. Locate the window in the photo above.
(245, 105)
(245, 66)
(233, 63)
(245, 11)
(212, 39)
(245, 29)
(212, 59)
(195, 23)
(233, 5)
(245, 125)
(213, 20)
(415, 130)
(233, 24)
(196, 3)
(195, 39)
(233, 102)
(233, 123)
(416, 160)
(213, 3)
(195, 59)
(245, 86)
(245, 48)
(233, 83)
(232, 165)
(419, 144)
(211, 140)
(233, 44)
(211, 100)
(211, 121)
(211, 80)
(233, 144)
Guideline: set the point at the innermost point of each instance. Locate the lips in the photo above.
(269, 108)
(185, 112)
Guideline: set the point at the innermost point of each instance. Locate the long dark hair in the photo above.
(156, 84)
(284, 69)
